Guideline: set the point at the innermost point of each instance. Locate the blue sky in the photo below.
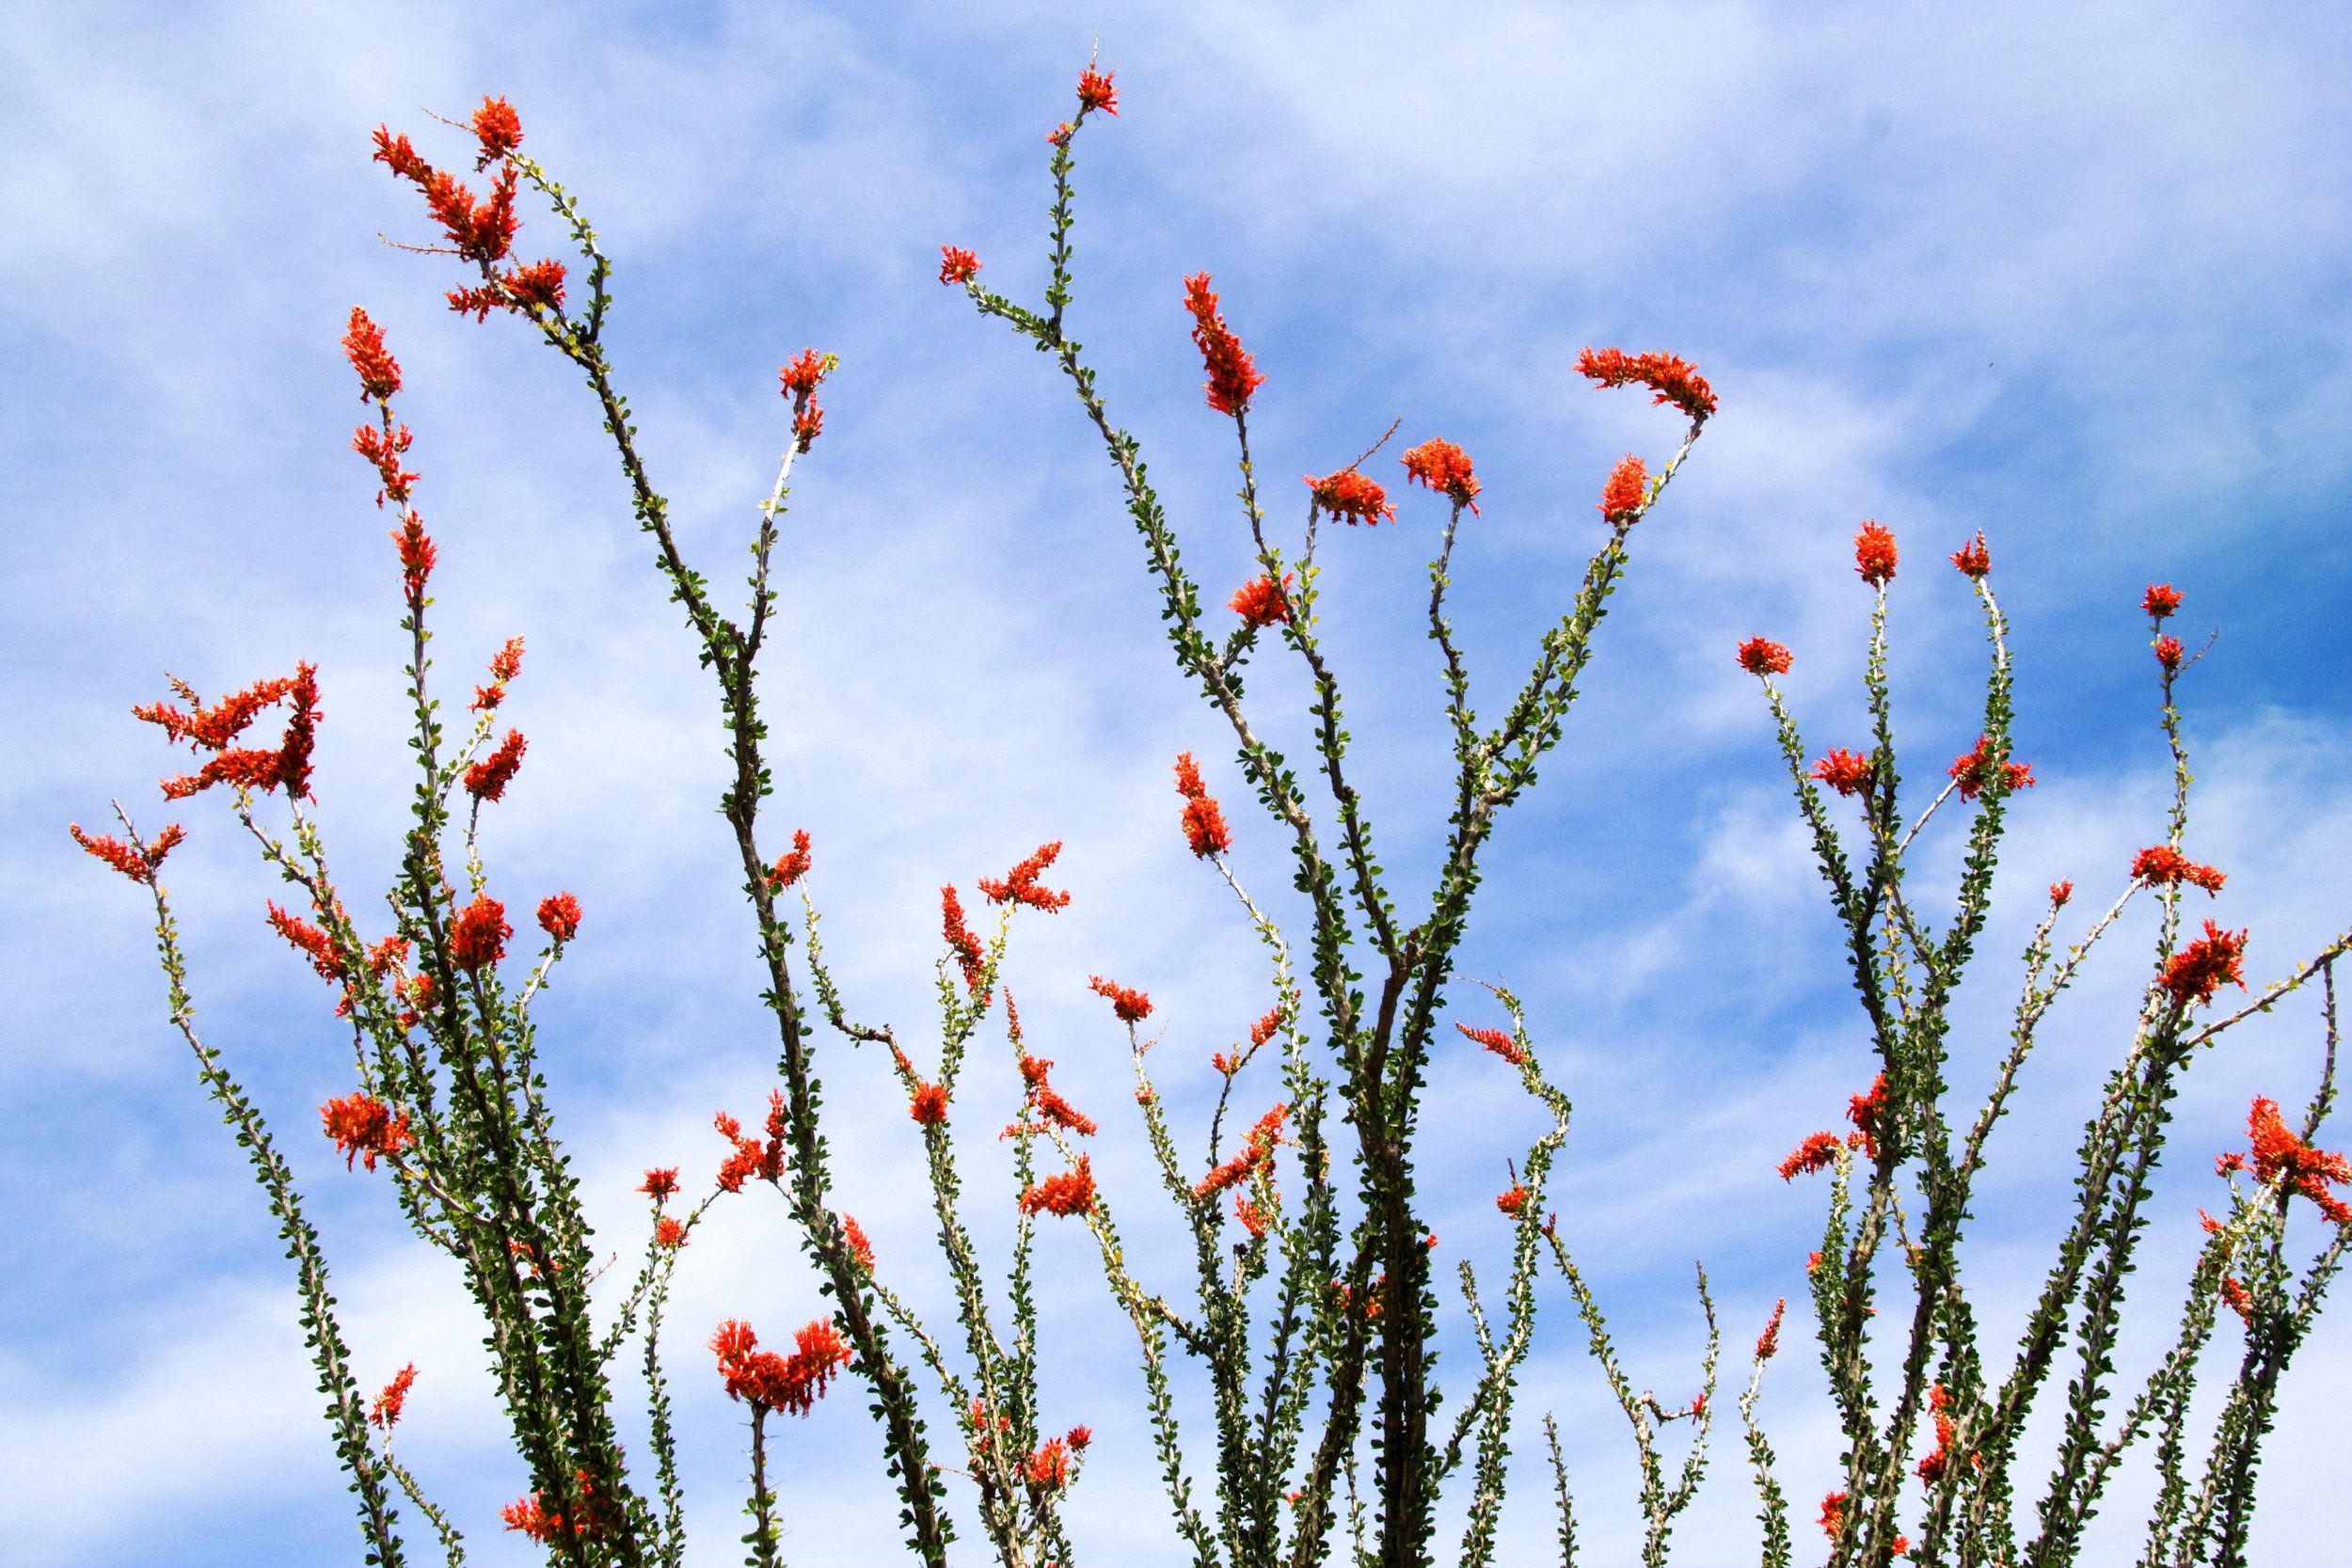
(2077, 276)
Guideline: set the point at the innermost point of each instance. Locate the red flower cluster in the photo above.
(132, 860)
(1261, 601)
(1511, 1201)
(750, 1157)
(559, 916)
(1096, 92)
(363, 346)
(2241, 1301)
(499, 129)
(1051, 1109)
(2169, 653)
(212, 730)
(363, 1128)
(1233, 376)
(1972, 770)
(859, 1249)
(1932, 1468)
(384, 448)
(1843, 771)
(1071, 1193)
(1443, 466)
(801, 378)
(2060, 893)
(2161, 866)
(308, 940)
(2160, 601)
(956, 265)
(773, 1381)
(2206, 965)
(1495, 1040)
(1818, 1152)
(792, 866)
(1867, 1112)
(1973, 558)
(1253, 1219)
(1203, 819)
(1263, 1029)
(478, 936)
(928, 1104)
(1761, 656)
(962, 944)
(1020, 885)
(668, 1232)
(1350, 497)
(1627, 491)
(1131, 1006)
(2278, 1153)
(660, 1183)
(1257, 1153)
(416, 556)
(1833, 1521)
(1874, 554)
(537, 1520)
(385, 1413)
(487, 779)
(1767, 1343)
(1675, 381)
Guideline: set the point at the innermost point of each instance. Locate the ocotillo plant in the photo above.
(1312, 1314)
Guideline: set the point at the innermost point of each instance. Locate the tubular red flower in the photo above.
(2170, 653)
(1233, 376)
(363, 346)
(559, 916)
(1253, 1219)
(1874, 554)
(1095, 91)
(487, 779)
(1818, 1152)
(2241, 1302)
(1760, 655)
(385, 1413)
(1768, 1344)
(749, 1157)
(1675, 381)
(1131, 1005)
(1627, 490)
(2279, 1155)
(1442, 466)
(773, 1381)
(1071, 1193)
(660, 1183)
(1203, 819)
(1972, 770)
(1021, 886)
(1511, 1201)
(2161, 866)
(2161, 600)
(1261, 601)
(1843, 771)
(499, 129)
(668, 1232)
(2206, 965)
(363, 1128)
(929, 1106)
(2060, 893)
(478, 936)
(956, 265)
(1350, 497)
(508, 662)
(1263, 1029)
(791, 868)
(129, 859)
(247, 769)
(1973, 558)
